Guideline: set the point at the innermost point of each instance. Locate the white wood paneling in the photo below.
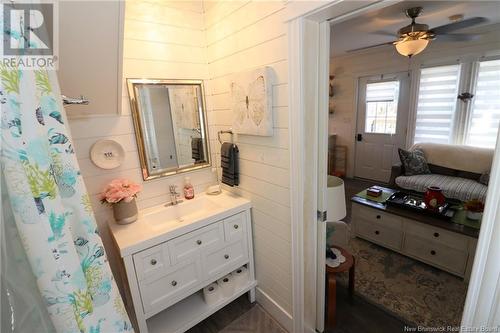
(209, 41)
(162, 40)
(240, 36)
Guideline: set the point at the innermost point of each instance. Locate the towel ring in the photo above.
(224, 132)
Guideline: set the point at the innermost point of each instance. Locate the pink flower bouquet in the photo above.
(118, 190)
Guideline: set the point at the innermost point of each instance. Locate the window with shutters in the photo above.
(442, 117)
(381, 107)
(436, 105)
(485, 113)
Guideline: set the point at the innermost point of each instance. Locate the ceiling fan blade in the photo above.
(384, 33)
(443, 29)
(456, 38)
(369, 47)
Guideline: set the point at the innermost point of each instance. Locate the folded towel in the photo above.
(229, 164)
(197, 152)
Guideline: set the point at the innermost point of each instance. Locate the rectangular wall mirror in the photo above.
(170, 125)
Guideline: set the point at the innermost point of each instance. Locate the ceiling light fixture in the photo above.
(411, 44)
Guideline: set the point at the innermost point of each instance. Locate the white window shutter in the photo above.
(436, 104)
(485, 117)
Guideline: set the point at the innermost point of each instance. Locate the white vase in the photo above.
(125, 212)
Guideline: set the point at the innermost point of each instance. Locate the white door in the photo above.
(382, 119)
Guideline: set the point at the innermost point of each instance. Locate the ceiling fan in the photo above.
(414, 38)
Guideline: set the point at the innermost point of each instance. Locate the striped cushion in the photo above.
(453, 187)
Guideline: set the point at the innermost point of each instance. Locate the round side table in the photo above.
(347, 265)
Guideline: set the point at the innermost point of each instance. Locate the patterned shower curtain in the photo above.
(52, 209)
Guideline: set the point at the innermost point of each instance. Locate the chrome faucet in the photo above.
(174, 196)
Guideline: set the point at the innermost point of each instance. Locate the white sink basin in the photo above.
(186, 211)
(161, 223)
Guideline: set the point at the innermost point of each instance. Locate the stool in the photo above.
(347, 265)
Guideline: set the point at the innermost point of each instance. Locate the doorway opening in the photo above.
(412, 266)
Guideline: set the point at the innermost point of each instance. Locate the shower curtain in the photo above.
(52, 210)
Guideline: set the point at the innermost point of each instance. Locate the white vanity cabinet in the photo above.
(167, 272)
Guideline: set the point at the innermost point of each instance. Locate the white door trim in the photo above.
(296, 114)
(323, 118)
(482, 306)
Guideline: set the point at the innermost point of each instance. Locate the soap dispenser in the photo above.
(188, 189)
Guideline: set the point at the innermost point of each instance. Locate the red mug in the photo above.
(434, 198)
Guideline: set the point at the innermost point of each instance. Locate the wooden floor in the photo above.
(239, 316)
(356, 315)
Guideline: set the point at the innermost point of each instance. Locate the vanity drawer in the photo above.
(189, 245)
(152, 261)
(159, 293)
(431, 233)
(234, 227)
(436, 254)
(233, 255)
(368, 214)
(379, 233)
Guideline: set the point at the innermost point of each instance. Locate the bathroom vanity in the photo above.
(171, 253)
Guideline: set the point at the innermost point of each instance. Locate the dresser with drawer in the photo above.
(447, 250)
(165, 279)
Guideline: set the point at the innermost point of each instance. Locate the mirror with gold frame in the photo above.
(170, 125)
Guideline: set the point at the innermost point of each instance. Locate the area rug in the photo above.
(413, 291)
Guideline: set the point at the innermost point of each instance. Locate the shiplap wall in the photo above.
(348, 68)
(210, 41)
(243, 35)
(162, 40)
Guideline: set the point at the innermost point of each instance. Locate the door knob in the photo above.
(198, 242)
(226, 256)
(153, 262)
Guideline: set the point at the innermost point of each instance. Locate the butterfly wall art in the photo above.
(251, 102)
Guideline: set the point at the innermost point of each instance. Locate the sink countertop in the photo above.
(140, 235)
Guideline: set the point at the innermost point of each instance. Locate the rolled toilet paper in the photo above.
(212, 293)
(240, 277)
(226, 284)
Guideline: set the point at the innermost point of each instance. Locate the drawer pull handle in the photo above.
(153, 262)
(433, 252)
(198, 242)
(235, 226)
(226, 256)
(378, 217)
(174, 283)
(377, 232)
(436, 234)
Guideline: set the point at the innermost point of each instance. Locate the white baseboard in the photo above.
(275, 310)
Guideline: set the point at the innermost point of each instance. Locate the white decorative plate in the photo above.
(107, 154)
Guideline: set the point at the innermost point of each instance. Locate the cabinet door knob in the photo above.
(198, 242)
(433, 252)
(377, 232)
(235, 226)
(378, 217)
(436, 234)
(153, 262)
(174, 283)
(226, 256)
